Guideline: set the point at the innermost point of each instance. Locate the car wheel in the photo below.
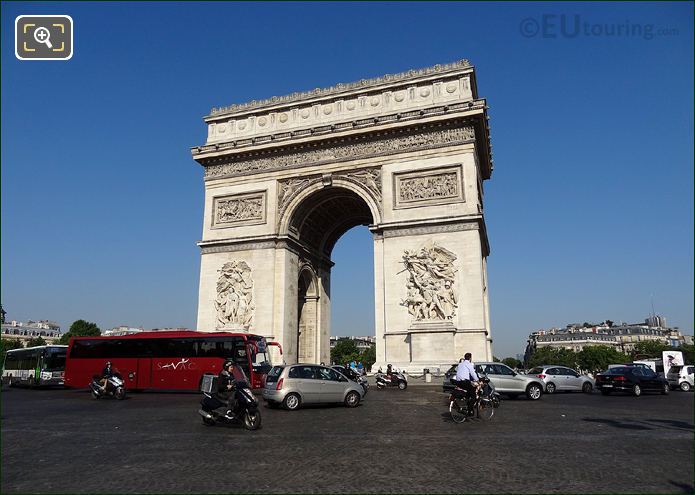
(550, 388)
(685, 387)
(534, 391)
(605, 392)
(666, 389)
(292, 402)
(587, 388)
(636, 390)
(352, 399)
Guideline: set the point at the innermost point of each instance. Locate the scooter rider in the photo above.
(226, 384)
(106, 373)
(467, 378)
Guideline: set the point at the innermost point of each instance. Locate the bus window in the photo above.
(54, 360)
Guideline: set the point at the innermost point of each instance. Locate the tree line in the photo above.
(79, 328)
(594, 359)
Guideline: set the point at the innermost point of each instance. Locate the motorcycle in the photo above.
(214, 410)
(395, 379)
(115, 387)
(483, 406)
(354, 376)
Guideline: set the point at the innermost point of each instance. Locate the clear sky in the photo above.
(589, 209)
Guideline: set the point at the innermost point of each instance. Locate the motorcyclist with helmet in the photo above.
(226, 384)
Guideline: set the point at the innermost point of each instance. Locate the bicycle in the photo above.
(483, 406)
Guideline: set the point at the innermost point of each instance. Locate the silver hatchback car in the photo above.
(561, 378)
(297, 384)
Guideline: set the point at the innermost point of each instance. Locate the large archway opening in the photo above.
(317, 223)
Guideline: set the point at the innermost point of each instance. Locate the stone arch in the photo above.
(369, 197)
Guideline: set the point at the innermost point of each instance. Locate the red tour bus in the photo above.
(167, 360)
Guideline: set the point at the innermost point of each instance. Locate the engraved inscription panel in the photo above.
(239, 209)
(431, 187)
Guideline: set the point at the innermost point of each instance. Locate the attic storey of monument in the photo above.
(404, 154)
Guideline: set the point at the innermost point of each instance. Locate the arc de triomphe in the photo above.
(405, 154)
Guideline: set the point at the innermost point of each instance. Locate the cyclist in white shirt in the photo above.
(467, 378)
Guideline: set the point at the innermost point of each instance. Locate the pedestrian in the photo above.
(360, 368)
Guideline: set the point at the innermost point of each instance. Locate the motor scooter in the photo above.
(115, 387)
(214, 410)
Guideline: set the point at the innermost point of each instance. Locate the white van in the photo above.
(682, 377)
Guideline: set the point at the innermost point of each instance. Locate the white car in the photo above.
(682, 377)
(561, 378)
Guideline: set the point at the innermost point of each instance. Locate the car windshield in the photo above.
(535, 371)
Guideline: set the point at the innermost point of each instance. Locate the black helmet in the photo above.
(227, 364)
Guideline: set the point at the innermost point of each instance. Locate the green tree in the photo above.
(512, 362)
(596, 358)
(345, 350)
(609, 323)
(80, 328)
(495, 359)
(368, 357)
(548, 355)
(688, 351)
(650, 348)
(6, 345)
(36, 341)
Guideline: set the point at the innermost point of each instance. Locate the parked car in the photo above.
(294, 385)
(561, 378)
(682, 377)
(633, 379)
(504, 379)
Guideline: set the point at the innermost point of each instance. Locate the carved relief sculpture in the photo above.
(432, 187)
(430, 284)
(242, 209)
(369, 178)
(234, 302)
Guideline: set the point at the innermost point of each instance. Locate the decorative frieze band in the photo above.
(424, 137)
(388, 78)
(427, 229)
(239, 209)
(240, 246)
(429, 187)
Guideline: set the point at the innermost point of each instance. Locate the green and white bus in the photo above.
(35, 366)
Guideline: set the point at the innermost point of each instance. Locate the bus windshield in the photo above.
(54, 360)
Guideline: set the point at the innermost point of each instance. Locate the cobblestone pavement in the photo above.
(395, 441)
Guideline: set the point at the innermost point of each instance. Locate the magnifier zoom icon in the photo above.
(43, 35)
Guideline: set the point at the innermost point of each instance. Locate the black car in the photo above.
(633, 379)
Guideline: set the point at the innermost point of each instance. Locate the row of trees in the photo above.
(80, 328)
(345, 350)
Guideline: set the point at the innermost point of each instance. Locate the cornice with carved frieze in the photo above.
(439, 69)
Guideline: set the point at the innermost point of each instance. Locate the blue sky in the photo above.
(589, 209)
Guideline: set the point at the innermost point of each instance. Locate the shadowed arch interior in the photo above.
(323, 217)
